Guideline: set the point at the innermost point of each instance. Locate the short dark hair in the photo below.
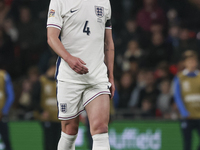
(189, 54)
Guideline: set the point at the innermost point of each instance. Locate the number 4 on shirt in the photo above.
(86, 29)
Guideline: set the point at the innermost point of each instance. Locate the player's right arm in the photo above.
(54, 42)
(54, 26)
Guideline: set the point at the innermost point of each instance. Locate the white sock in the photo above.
(66, 142)
(101, 142)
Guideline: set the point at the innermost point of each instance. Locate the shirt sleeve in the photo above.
(178, 98)
(55, 18)
(108, 24)
(9, 95)
(108, 18)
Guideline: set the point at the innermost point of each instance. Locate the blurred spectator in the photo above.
(25, 98)
(150, 13)
(133, 50)
(45, 105)
(127, 7)
(162, 72)
(33, 74)
(156, 27)
(25, 102)
(173, 36)
(130, 32)
(186, 42)
(3, 11)
(134, 65)
(8, 2)
(147, 108)
(173, 112)
(132, 55)
(6, 51)
(11, 30)
(172, 16)
(164, 98)
(6, 100)
(196, 3)
(139, 86)
(190, 12)
(180, 66)
(149, 90)
(159, 51)
(30, 39)
(126, 87)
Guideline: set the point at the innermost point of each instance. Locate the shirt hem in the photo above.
(54, 25)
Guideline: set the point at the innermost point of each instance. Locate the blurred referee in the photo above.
(6, 100)
(187, 97)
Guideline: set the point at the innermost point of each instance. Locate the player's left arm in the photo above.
(109, 58)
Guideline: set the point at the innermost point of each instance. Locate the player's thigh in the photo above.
(70, 127)
(98, 112)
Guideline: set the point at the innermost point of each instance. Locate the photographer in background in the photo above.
(6, 100)
(187, 97)
(45, 105)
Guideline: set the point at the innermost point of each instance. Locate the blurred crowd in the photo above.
(150, 37)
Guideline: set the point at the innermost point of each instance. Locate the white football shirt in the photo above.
(82, 24)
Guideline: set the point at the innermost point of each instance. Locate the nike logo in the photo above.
(72, 11)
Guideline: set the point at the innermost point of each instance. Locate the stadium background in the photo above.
(148, 47)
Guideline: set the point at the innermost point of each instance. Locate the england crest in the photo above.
(99, 11)
(63, 107)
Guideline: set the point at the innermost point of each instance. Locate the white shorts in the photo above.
(72, 98)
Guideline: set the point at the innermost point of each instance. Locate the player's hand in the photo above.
(77, 65)
(112, 88)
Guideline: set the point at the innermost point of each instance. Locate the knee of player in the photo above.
(70, 129)
(71, 132)
(99, 127)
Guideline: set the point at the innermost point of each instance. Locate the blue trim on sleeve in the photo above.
(178, 98)
(9, 95)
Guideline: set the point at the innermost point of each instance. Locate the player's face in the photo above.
(191, 64)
